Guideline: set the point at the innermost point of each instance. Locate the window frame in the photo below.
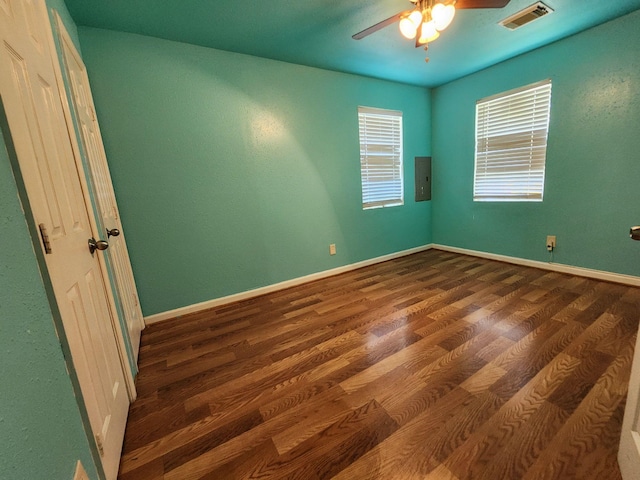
(513, 144)
(381, 156)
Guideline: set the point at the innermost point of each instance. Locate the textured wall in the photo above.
(234, 172)
(592, 170)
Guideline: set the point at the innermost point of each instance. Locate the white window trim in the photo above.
(511, 144)
(381, 157)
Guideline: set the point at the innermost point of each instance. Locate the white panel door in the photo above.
(629, 453)
(56, 191)
(91, 142)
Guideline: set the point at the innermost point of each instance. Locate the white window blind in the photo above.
(511, 144)
(380, 157)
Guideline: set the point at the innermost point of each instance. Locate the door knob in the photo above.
(97, 245)
(114, 232)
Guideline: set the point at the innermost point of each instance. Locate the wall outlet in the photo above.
(332, 249)
(551, 243)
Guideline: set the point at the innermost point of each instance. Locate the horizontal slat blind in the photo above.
(380, 157)
(511, 144)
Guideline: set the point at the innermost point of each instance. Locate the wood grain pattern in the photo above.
(432, 366)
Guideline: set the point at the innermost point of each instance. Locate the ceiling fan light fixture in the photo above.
(442, 15)
(430, 17)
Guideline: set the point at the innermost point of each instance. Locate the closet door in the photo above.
(100, 178)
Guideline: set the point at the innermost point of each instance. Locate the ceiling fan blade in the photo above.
(481, 3)
(378, 26)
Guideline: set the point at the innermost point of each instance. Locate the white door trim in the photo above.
(629, 452)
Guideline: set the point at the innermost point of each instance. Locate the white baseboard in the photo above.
(216, 302)
(555, 267)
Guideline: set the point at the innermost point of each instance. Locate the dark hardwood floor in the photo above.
(435, 365)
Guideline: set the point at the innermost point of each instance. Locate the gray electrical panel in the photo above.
(423, 179)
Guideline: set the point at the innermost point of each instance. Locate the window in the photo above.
(380, 157)
(511, 144)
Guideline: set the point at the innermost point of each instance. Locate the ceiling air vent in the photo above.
(529, 14)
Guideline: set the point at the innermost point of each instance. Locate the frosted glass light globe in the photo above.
(442, 15)
(416, 18)
(429, 32)
(407, 28)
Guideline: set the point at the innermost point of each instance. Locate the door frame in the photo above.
(629, 451)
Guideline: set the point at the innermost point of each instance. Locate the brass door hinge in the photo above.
(45, 238)
(100, 445)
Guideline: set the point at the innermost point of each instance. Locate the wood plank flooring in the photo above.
(431, 366)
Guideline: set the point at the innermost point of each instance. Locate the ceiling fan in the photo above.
(428, 18)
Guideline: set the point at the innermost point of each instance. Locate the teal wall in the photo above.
(234, 172)
(592, 193)
(41, 429)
